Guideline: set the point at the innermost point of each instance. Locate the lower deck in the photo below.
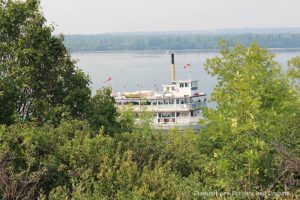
(173, 118)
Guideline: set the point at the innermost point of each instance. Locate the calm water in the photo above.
(130, 69)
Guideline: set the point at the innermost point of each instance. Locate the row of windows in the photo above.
(170, 88)
(184, 85)
(172, 114)
(164, 115)
(160, 102)
(192, 114)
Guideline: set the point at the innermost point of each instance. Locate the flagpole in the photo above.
(188, 66)
(109, 79)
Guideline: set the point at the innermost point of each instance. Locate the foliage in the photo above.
(102, 112)
(58, 142)
(175, 147)
(71, 161)
(255, 104)
(126, 118)
(37, 73)
(294, 71)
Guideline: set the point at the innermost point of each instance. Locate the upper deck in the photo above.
(177, 89)
(177, 96)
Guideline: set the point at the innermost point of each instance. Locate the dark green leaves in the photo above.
(38, 68)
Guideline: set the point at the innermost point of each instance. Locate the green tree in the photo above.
(126, 119)
(294, 71)
(37, 67)
(289, 145)
(102, 112)
(254, 104)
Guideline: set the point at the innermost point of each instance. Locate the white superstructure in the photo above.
(177, 105)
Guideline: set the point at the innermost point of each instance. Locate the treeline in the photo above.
(184, 41)
(57, 141)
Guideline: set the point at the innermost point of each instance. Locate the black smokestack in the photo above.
(173, 67)
(172, 58)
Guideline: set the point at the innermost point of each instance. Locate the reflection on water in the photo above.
(151, 69)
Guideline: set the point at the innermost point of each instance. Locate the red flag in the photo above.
(108, 79)
(187, 66)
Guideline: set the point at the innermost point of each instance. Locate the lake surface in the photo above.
(151, 69)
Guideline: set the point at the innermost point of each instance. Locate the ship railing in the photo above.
(170, 107)
(176, 120)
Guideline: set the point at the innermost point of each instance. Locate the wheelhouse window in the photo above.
(194, 85)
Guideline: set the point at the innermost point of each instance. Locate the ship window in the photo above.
(194, 84)
(181, 85)
(186, 85)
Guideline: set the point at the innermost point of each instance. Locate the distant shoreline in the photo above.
(178, 42)
(178, 51)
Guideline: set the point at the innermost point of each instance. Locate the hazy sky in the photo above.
(102, 16)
